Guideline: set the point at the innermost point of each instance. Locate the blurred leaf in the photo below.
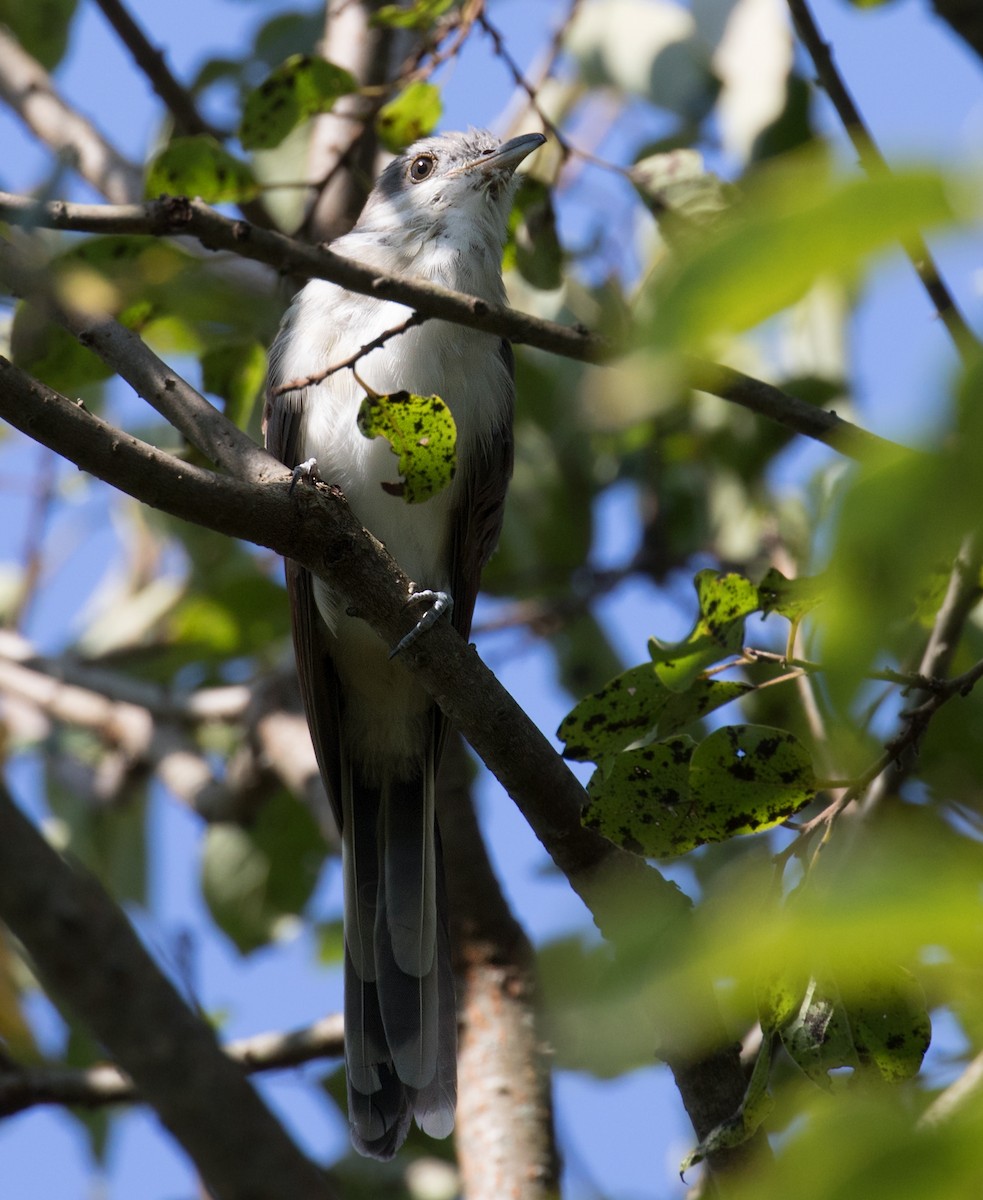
(199, 166)
(82, 1051)
(881, 1027)
(791, 598)
(420, 14)
(755, 1106)
(684, 196)
(796, 223)
(299, 88)
(236, 373)
(534, 245)
(411, 115)
(637, 705)
(15, 1033)
(41, 26)
(253, 878)
(110, 839)
(422, 433)
(50, 353)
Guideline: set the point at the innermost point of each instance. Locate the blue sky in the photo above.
(920, 90)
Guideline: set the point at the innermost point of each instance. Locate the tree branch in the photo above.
(89, 956)
(171, 217)
(178, 100)
(29, 91)
(23, 1087)
(504, 1131)
(876, 165)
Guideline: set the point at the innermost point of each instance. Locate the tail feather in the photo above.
(400, 1013)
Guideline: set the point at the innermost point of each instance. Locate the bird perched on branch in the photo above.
(438, 213)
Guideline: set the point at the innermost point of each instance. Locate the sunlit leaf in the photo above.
(633, 706)
(725, 601)
(422, 433)
(299, 88)
(749, 777)
(199, 167)
(409, 116)
(420, 14)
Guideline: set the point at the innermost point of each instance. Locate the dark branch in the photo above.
(90, 958)
(23, 1087)
(876, 164)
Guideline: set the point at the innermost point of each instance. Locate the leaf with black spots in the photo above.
(422, 433)
(298, 88)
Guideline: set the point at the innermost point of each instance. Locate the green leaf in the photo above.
(796, 224)
(299, 88)
(199, 166)
(534, 247)
(749, 777)
(791, 598)
(637, 705)
(725, 600)
(421, 14)
(253, 878)
(642, 802)
(235, 373)
(41, 26)
(411, 115)
(421, 431)
(684, 197)
(881, 1027)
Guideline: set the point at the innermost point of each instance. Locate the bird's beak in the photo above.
(507, 157)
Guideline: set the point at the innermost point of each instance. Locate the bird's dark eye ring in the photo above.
(422, 167)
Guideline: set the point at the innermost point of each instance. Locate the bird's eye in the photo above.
(422, 167)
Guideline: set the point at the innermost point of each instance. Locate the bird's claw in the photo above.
(440, 602)
(305, 470)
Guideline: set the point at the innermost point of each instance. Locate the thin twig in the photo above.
(179, 101)
(876, 165)
(296, 385)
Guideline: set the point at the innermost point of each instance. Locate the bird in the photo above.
(438, 212)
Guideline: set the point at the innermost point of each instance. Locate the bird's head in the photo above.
(456, 187)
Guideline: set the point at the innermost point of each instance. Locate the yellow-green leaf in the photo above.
(642, 802)
(749, 777)
(421, 14)
(297, 89)
(637, 705)
(411, 115)
(422, 434)
(796, 224)
(199, 166)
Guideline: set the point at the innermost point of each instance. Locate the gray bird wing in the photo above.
(283, 423)
(478, 520)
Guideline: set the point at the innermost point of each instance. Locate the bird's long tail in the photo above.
(400, 1018)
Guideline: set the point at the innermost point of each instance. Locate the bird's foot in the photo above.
(440, 602)
(305, 470)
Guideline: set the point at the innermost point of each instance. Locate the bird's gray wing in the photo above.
(477, 522)
(283, 420)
